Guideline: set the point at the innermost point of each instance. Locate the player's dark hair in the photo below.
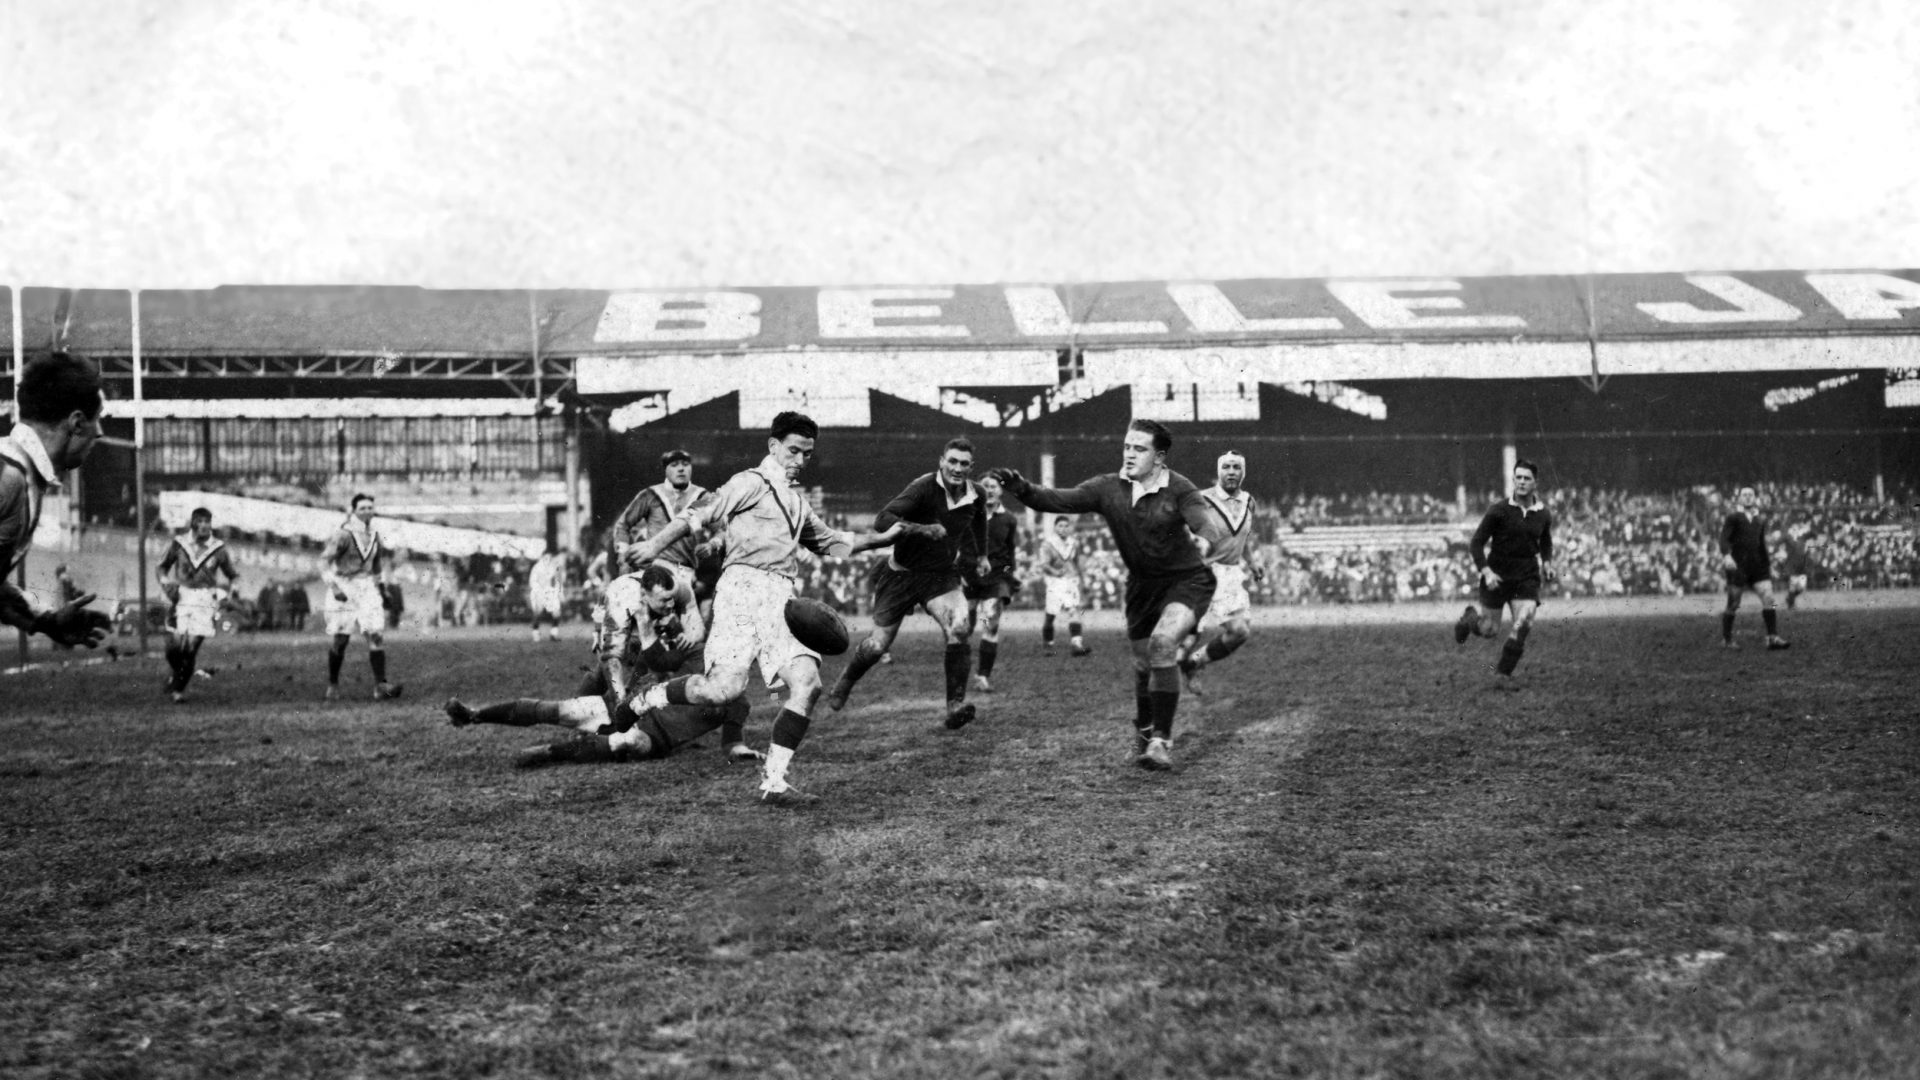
(1523, 463)
(793, 423)
(57, 385)
(960, 443)
(198, 513)
(1162, 438)
(354, 503)
(656, 576)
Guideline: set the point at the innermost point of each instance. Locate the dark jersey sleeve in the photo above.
(909, 505)
(1083, 499)
(1480, 537)
(1546, 537)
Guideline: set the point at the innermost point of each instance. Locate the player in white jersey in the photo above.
(546, 587)
(353, 566)
(767, 522)
(190, 577)
(1060, 559)
(1230, 554)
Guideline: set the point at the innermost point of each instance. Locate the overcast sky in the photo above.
(601, 144)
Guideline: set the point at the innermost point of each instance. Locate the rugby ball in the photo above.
(817, 626)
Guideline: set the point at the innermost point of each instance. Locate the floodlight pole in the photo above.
(139, 473)
(13, 418)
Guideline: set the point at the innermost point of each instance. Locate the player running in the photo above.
(354, 569)
(190, 577)
(1230, 548)
(991, 584)
(924, 572)
(1155, 515)
(1744, 556)
(767, 521)
(1513, 550)
(1060, 560)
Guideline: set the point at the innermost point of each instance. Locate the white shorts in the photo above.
(1230, 599)
(1063, 595)
(362, 612)
(545, 600)
(197, 612)
(750, 623)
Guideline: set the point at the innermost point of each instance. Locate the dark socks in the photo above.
(1046, 630)
(1163, 700)
(789, 728)
(1772, 619)
(677, 690)
(989, 651)
(1073, 630)
(1221, 648)
(1510, 656)
(865, 655)
(378, 659)
(1142, 702)
(1726, 625)
(521, 712)
(733, 727)
(335, 657)
(958, 661)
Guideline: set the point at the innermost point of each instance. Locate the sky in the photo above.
(595, 144)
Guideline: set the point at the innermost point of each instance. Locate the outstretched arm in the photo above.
(1075, 500)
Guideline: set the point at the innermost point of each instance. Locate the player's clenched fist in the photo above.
(74, 624)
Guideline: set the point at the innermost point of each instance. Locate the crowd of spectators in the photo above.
(1608, 543)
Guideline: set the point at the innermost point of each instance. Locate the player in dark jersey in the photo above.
(990, 581)
(1155, 515)
(1743, 554)
(924, 572)
(1513, 550)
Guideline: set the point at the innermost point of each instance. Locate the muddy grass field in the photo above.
(1657, 858)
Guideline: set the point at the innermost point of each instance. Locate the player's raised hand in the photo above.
(73, 623)
(1008, 478)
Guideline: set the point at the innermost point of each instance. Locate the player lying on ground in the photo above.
(654, 733)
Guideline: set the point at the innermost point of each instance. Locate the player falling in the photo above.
(1060, 558)
(1230, 549)
(924, 572)
(1744, 556)
(190, 578)
(1513, 549)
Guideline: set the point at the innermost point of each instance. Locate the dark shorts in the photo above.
(1147, 597)
(996, 586)
(1511, 589)
(1749, 575)
(675, 726)
(897, 592)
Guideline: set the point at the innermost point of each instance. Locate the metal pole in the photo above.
(19, 364)
(139, 472)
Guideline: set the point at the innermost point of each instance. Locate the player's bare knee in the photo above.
(1163, 649)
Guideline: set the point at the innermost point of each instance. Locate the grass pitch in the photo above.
(1657, 858)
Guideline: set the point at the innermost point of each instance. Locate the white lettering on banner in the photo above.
(1039, 312)
(850, 313)
(1210, 312)
(1867, 296)
(679, 316)
(1378, 307)
(1749, 303)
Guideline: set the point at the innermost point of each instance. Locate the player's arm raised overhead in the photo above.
(1074, 500)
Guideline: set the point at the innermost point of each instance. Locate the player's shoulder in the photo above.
(1179, 485)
